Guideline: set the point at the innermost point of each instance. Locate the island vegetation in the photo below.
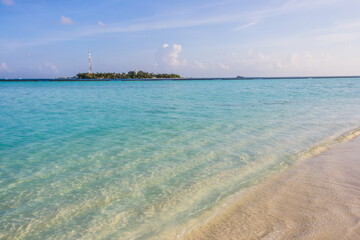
(129, 75)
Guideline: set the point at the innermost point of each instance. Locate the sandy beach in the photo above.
(318, 198)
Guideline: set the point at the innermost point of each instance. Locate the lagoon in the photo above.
(137, 160)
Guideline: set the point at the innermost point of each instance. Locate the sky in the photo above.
(193, 38)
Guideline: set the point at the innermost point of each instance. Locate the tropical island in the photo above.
(129, 75)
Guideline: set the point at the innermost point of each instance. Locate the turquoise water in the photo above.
(129, 160)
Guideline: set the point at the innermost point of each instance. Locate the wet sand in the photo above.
(318, 198)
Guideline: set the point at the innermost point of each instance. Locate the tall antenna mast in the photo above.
(89, 59)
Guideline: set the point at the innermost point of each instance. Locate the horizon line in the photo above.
(164, 79)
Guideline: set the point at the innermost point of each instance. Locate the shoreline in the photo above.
(161, 161)
(316, 198)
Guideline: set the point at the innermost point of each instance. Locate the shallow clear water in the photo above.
(128, 160)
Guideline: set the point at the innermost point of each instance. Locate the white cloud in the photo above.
(168, 55)
(101, 23)
(223, 66)
(50, 66)
(7, 2)
(66, 20)
(4, 67)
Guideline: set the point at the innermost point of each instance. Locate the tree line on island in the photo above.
(129, 75)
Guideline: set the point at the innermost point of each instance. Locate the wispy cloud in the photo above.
(292, 4)
(223, 66)
(4, 67)
(297, 63)
(66, 20)
(348, 24)
(343, 31)
(48, 66)
(101, 23)
(338, 37)
(247, 25)
(7, 2)
(183, 20)
(198, 64)
(171, 22)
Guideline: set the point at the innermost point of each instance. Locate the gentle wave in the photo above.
(208, 215)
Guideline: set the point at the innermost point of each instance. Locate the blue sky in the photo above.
(193, 38)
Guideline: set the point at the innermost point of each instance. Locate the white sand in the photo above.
(318, 198)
